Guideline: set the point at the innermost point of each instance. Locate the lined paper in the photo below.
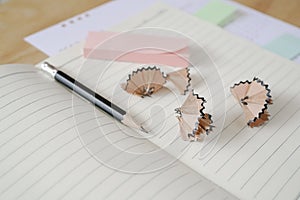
(44, 153)
(260, 162)
(46, 133)
(250, 163)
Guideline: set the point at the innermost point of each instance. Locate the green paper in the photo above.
(217, 12)
(288, 46)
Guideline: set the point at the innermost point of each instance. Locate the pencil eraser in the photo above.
(137, 48)
(217, 12)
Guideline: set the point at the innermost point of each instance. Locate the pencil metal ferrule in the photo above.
(50, 69)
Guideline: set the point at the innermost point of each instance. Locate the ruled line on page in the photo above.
(27, 95)
(149, 181)
(251, 176)
(172, 181)
(284, 162)
(206, 193)
(273, 155)
(13, 81)
(284, 185)
(69, 61)
(189, 187)
(21, 88)
(13, 74)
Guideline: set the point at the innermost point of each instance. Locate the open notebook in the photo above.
(54, 145)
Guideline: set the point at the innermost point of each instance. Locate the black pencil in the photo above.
(96, 99)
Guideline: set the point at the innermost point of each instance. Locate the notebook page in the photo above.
(251, 163)
(44, 156)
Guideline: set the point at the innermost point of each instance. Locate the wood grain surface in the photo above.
(285, 10)
(20, 18)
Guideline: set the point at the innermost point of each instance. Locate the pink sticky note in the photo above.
(138, 48)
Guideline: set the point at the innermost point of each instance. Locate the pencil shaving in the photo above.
(147, 81)
(194, 124)
(254, 98)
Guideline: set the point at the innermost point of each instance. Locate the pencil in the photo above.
(94, 98)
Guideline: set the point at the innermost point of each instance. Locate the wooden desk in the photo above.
(19, 18)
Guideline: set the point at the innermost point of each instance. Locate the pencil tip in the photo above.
(128, 121)
(144, 130)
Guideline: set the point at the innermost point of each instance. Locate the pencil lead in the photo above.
(144, 130)
(128, 121)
